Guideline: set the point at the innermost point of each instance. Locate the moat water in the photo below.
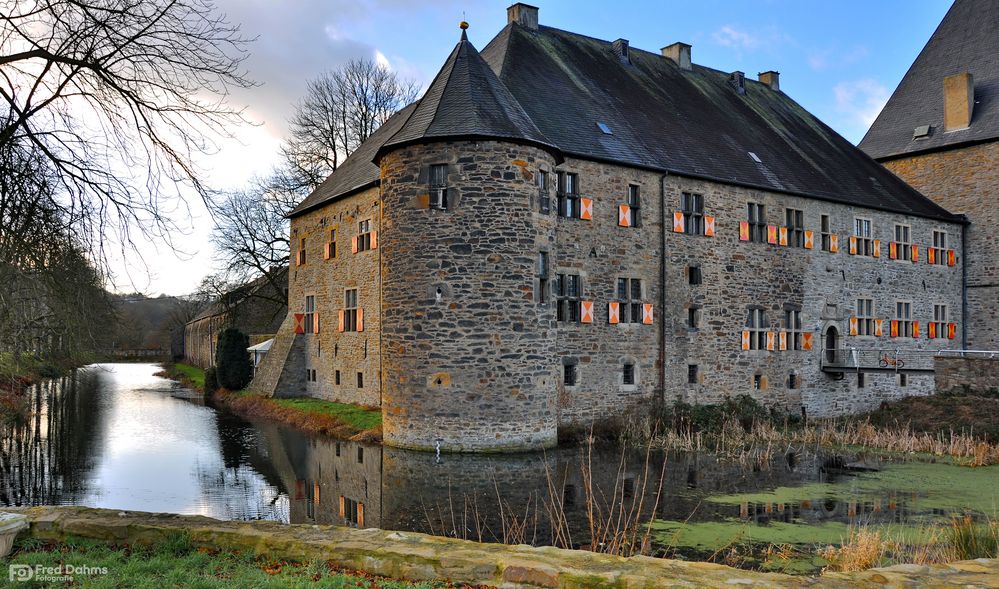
(116, 436)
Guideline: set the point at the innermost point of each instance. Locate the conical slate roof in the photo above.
(467, 100)
(967, 40)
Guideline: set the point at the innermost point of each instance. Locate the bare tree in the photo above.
(341, 109)
(118, 96)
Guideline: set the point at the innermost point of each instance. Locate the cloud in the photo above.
(835, 58)
(861, 100)
(729, 36)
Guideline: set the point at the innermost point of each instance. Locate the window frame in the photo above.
(864, 312)
(756, 216)
(904, 322)
(544, 192)
(543, 270)
(568, 304)
(794, 220)
(693, 373)
(692, 208)
(628, 374)
(903, 247)
(351, 298)
(635, 204)
(567, 191)
(939, 241)
(865, 243)
(792, 325)
(570, 374)
(757, 333)
(630, 305)
(309, 314)
(941, 314)
(438, 186)
(364, 235)
(825, 232)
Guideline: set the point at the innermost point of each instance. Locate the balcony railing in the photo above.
(877, 360)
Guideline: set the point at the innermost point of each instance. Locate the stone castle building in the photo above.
(940, 133)
(564, 228)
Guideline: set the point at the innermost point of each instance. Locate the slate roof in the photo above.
(553, 87)
(967, 40)
(358, 171)
(466, 99)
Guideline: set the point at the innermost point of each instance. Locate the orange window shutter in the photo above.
(343, 506)
(299, 323)
(315, 492)
(853, 325)
(772, 234)
(877, 248)
(678, 222)
(915, 329)
(743, 230)
(931, 332)
(586, 312)
(613, 313)
(353, 245)
(809, 240)
(878, 323)
(745, 339)
(647, 314)
(300, 489)
(340, 326)
(771, 341)
(374, 240)
(915, 253)
(782, 235)
(951, 257)
(894, 328)
(360, 320)
(709, 226)
(931, 256)
(892, 250)
(853, 245)
(951, 330)
(624, 215)
(586, 208)
(326, 251)
(360, 515)
(782, 340)
(315, 324)
(806, 341)
(298, 258)
(834, 243)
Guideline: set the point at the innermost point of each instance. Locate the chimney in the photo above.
(679, 53)
(621, 49)
(959, 101)
(523, 14)
(771, 79)
(738, 81)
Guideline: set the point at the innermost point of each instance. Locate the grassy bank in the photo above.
(976, 414)
(190, 376)
(177, 563)
(338, 420)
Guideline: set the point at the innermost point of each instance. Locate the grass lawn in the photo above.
(25, 366)
(357, 417)
(338, 420)
(175, 562)
(191, 373)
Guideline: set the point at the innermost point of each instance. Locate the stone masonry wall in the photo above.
(469, 355)
(967, 374)
(966, 180)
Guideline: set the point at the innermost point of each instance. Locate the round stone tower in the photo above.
(468, 353)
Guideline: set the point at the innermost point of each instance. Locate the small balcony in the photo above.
(843, 360)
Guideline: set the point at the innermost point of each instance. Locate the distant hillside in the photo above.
(145, 323)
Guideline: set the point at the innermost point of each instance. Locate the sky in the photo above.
(840, 60)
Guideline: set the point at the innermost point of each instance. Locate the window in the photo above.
(570, 376)
(545, 199)
(364, 235)
(692, 206)
(350, 310)
(862, 231)
(628, 374)
(568, 293)
(903, 314)
(756, 323)
(542, 277)
(336, 379)
(301, 252)
(694, 275)
(568, 194)
(758, 382)
(691, 373)
(865, 317)
(310, 375)
(350, 511)
(794, 220)
(310, 314)
(331, 247)
(903, 243)
(903, 379)
(635, 205)
(693, 318)
(860, 380)
(826, 231)
(792, 381)
(438, 186)
(792, 323)
(940, 245)
(360, 380)
(757, 222)
(629, 294)
(940, 320)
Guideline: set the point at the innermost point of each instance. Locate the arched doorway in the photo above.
(831, 342)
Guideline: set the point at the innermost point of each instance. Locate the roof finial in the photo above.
(463, 25)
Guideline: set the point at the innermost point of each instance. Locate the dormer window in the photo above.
(438, 186)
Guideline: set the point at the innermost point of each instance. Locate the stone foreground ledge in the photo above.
(416, 557)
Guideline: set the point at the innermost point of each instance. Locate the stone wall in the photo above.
(469, 356)
(975, 373)
(966, 180)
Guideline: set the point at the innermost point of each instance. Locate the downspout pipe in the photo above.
(662, 288)
(964, 283)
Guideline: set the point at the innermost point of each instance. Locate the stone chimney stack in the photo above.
(771, 79)
(738, 81)
(679, 53)
(621, 50)
(959, 101)
(523, 14)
